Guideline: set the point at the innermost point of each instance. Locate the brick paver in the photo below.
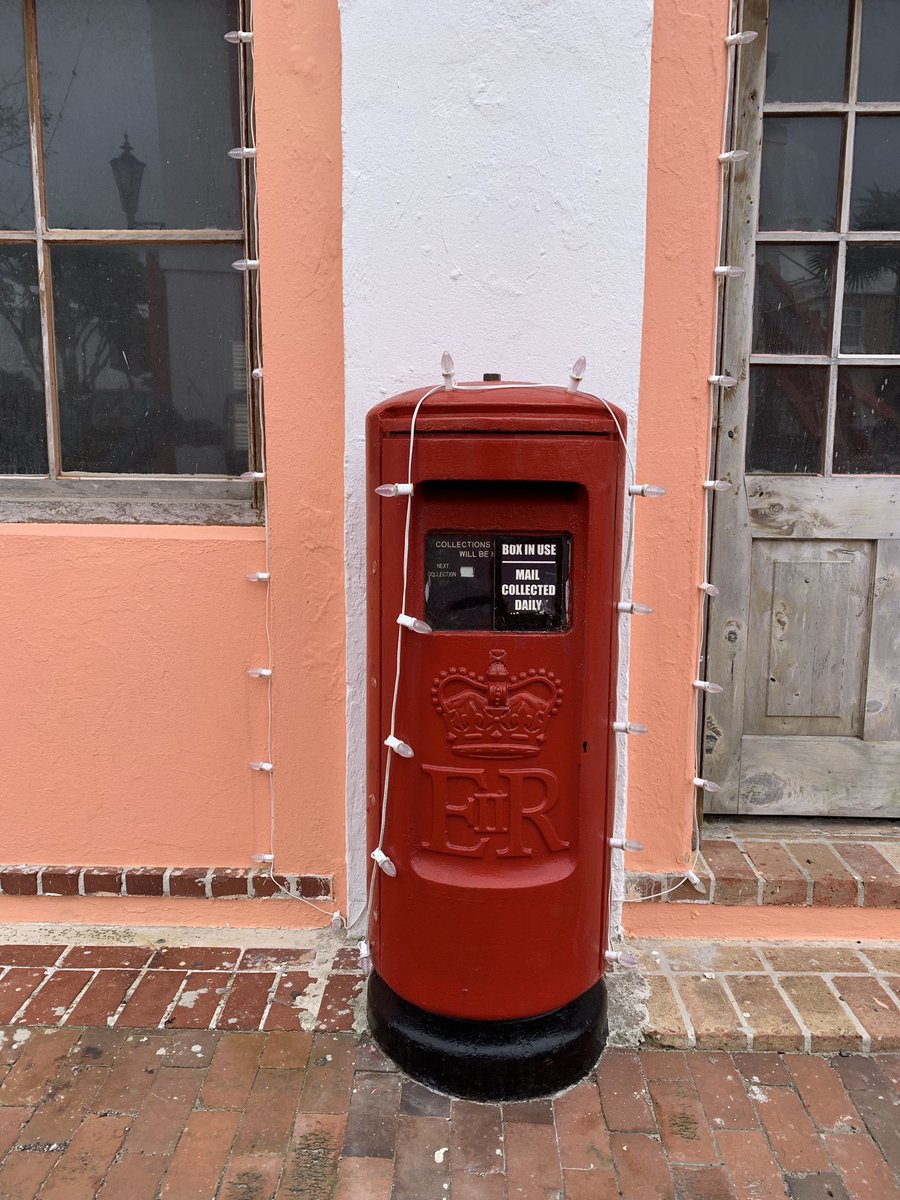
(166, 1113)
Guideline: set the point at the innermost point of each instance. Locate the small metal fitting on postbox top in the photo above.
(620, 956)
(645, 489)
(628, 844)
(379, 857)
(708, 589)
(628, 606)
(399, 747)
(394, 489)
(706, 784)
(703, 685)
(629, 727)
(741, 39)
(414, 624)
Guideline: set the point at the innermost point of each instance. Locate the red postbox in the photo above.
(488, 943)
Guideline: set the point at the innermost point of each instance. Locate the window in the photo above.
(825, 352)
(125, 331)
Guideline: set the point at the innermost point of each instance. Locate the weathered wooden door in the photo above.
(805, 634)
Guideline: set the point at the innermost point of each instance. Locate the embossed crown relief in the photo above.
(496, 715)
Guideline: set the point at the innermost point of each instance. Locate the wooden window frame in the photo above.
(78, 496)
(751, 109)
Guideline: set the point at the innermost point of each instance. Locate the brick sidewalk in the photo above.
(185, 1115)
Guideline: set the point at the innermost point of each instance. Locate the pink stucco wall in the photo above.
(684, 185)
(128, 720)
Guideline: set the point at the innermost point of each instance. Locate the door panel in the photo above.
(809, 637)
(804, 636)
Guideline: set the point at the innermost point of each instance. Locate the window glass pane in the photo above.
(799, 181)
(806, 55)
(792, 307)
(875, 192)
(16, 204)
(867, 424)
(162, 73)
(871, 323)
(23, 435)
(785, 420)
(879, 54)
(151, 363)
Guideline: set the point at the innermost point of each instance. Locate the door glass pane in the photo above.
(785, 420)
(867, 425)
(151, 363)
(806, 55)
(23, 436)
(871, 323)
(799, 180)
(160, 73)
(875, 191)
(879, 61)
(16, 204)
(792, 306)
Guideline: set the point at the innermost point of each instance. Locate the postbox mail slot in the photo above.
(512, 582)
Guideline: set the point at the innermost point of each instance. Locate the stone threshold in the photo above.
(812, 997)
(792, 863)
(196, 883)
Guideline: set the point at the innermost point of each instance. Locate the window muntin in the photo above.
(140, 326)
(825, 353)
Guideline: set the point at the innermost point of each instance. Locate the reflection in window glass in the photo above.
(879, 53)
(875, 192)
(160, 73)
(799, 180)
(16, 206)
(150, 359)
(871, 323)
(792, 306)
(867, 423)
(23, 441)
(785, 420)
(806, 55)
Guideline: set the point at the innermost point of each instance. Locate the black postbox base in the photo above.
(491, 1060)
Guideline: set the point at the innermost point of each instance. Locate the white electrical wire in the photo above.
(468, 387)
(264, 486)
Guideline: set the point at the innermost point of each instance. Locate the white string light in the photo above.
(716, 485)
(706, 784)
(650, 490)
(733, 156)
(708, 589)
(727, 272)
(576, 374)
(622, 957)
(243, 37)
(703, 685)
(394, 489)
(384, 863)
(741, 39)
(725, 381)
(629, 727)
(628, 606)
(448, 371)
(628, 844)
(414, 624)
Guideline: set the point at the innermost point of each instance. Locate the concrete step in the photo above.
(814, 997)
